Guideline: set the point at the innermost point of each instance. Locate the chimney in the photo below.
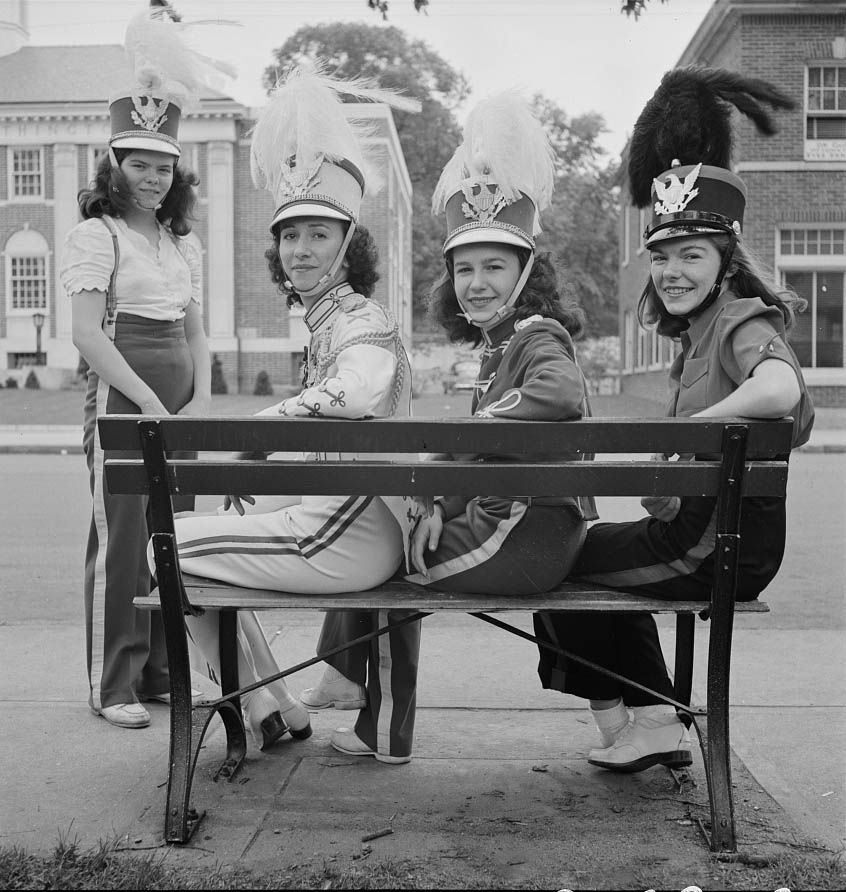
(13, 26)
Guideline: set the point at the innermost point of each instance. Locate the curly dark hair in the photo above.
(748, 279)
(109, 194)
(362, 259)
(541, 295)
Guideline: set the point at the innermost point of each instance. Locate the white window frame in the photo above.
(641, 349)
(655, 362)
(813, 263)
(92, 160)
(628, 341)
(34, 246)
(825, 149)
(12, 181)
(642, 220)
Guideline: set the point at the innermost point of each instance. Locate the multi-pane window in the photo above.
(813, 264)
(812, 242)
(825, 117)
(28, 283)
(817, 335)
(27, 171)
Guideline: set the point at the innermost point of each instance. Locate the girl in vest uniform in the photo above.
(706, 292)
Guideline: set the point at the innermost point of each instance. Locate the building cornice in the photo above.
(724, 14)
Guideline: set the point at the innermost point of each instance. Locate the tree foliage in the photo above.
(580, 225)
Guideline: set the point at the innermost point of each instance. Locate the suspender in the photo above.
(111, 294)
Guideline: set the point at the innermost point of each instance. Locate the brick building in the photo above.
(53, 126)
(795, 217)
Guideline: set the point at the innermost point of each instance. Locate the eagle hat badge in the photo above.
(695, 199)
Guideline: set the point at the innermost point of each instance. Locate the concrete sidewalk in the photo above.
(499, 781)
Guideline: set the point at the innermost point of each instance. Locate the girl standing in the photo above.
(134, 281)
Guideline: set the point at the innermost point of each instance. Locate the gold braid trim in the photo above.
(388, 340)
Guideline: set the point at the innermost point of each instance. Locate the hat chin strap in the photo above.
(508, 308)
(320, 287)
(714, 293)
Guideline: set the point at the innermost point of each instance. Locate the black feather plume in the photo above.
(689, 118)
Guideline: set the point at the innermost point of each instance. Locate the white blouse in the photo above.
(155, 283)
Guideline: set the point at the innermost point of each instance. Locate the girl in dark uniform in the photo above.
(706, 291)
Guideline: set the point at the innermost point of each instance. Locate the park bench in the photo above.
(738, 458)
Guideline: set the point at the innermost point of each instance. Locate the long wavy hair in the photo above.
(749, 278)
(362, 259)
(541, 295)
(109, 194)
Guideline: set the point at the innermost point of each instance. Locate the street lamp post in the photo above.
(38, 322)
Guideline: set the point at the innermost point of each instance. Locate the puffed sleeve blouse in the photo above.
(156, 283)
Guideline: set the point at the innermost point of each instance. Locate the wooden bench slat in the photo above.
(434, 478)
(600, 435)
(572, 596)
(398, 595)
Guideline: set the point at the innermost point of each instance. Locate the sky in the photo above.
(584, 54)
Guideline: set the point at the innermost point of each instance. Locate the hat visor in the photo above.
(146, 143)
(481, 235)
(309, 209)
(682, 231)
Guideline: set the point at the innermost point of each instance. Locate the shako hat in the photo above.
(499, 178)
(680, 152)
(307, 150)
(167, 77)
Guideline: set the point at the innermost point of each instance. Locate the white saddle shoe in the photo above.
(345, 740)
(335, 691)
(124, 715)
(641, 746)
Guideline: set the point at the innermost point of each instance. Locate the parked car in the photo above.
(462, 376)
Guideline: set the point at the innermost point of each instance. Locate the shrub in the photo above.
(263, 386)
(11, 382)
(31, 382)
(218, 382)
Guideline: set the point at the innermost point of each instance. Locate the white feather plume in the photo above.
(163, 61)
(304, 119)
(504, 142)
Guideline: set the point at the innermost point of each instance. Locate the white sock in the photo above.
(655, 715)
(611, 722)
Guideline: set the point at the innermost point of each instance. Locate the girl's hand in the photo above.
(197, 407)
(426, 536)
(664, 508)
(233, 501)
(152, 406)
(425, 505)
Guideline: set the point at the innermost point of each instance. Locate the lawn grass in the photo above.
(107, 867)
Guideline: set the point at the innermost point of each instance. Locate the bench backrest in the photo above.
(738, 458)
(761, 447)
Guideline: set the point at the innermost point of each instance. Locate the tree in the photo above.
(428, 139)
(580, 226)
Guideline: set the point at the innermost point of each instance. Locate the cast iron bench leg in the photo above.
(683, 665)
(180, 820)
(230, 710)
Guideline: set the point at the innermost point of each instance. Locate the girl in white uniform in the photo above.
(356, 367)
